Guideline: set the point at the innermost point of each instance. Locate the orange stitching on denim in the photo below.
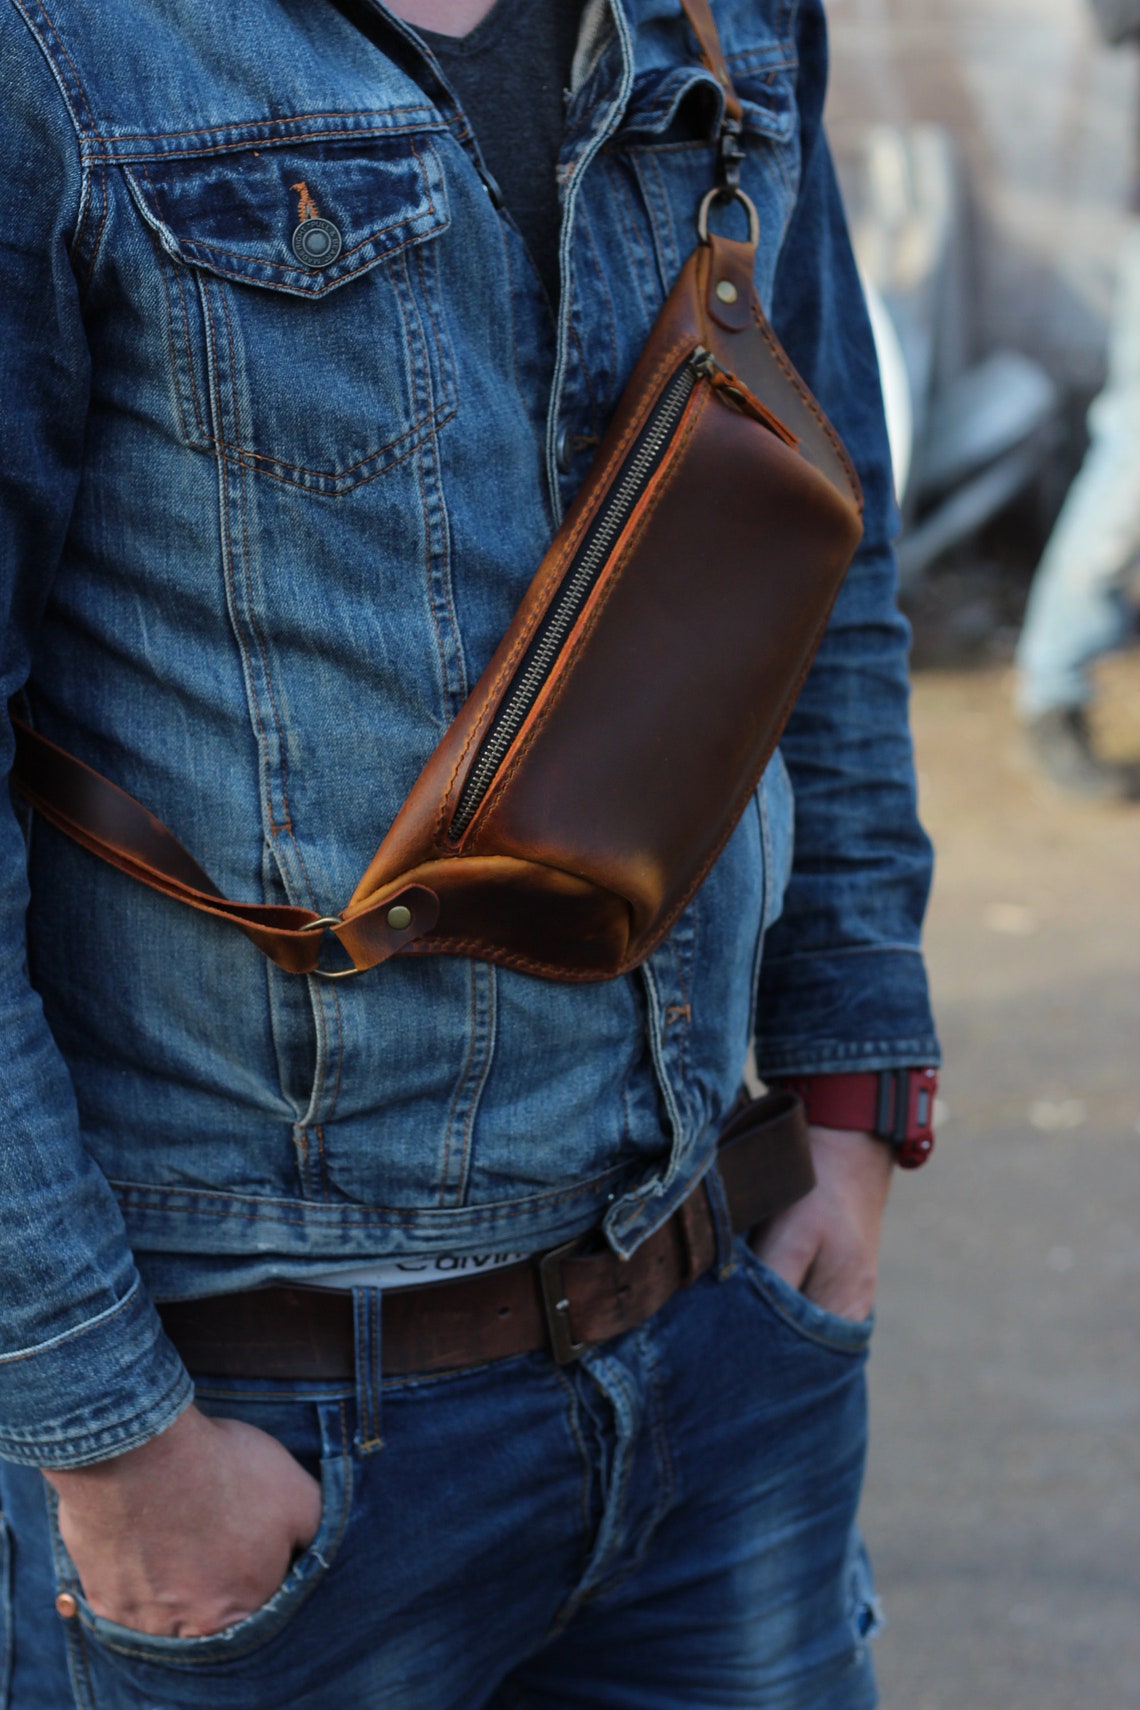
(332, 474)
(199, 417)
(306, 208)
(441, 649)
(62, 46)
(127, 157)
(291, 119)
(475, 1099)
(339, 1065)
(228, 1205)
(186, 434)
(451, 386)
(418, 434)
(228, 538)
(287, 824)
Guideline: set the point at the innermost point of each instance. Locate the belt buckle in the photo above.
(555, 1305)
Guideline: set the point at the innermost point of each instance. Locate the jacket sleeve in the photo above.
(842, 985)
(85, 1370)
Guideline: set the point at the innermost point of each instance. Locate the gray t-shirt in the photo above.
(510, 74)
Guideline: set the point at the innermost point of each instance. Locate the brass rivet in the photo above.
(726, 291)
(399, 917)
(66, 1605)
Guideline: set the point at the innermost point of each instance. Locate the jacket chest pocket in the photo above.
(307, 337)
(668, 142)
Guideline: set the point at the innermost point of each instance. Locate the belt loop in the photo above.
(366, 1336)
(722, 1223)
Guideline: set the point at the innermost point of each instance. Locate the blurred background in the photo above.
(989, 154)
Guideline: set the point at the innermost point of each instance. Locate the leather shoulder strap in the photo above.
(104, 819)
(703, 25)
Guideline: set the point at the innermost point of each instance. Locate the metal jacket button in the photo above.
(316, 243)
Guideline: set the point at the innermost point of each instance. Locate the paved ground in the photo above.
(1003, 1504)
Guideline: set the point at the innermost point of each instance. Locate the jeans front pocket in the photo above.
(251, 1663)
(813, 1324)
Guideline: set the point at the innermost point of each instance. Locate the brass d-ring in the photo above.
(327, 920)
(722, 194)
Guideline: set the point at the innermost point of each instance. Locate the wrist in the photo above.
(113, 1483)
(895, 1106)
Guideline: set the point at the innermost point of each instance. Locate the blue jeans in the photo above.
(667, 1523)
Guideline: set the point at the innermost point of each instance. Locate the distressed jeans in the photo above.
(668, 1524)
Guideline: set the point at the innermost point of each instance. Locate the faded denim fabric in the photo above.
(263, 525)
(668, 1523)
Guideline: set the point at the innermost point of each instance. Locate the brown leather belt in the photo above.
(565, 1300)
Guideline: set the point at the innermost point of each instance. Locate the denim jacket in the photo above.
(263, 524)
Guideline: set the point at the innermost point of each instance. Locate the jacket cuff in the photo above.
(843, 1011)
(106, 1386)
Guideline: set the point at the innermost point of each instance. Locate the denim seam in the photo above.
(574, 1426)
(668, 1483)
(88, 1324)
(77, 1667)
(411, 439)
(226, 1205)
(237, 129)
(445, 355)
(255, 625)
(110, 1439)
(270, 1396)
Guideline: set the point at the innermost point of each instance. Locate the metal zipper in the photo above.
(640, 464)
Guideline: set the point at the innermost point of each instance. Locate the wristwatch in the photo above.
(896, 1105)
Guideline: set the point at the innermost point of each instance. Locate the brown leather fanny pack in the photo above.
(566, 1300)
(607, 752)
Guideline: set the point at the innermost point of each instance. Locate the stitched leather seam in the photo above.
(574, 647)
(794, 380)
(669, 358)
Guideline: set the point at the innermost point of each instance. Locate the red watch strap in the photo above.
(895, 1104)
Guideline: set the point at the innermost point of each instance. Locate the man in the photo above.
(1078, 607)
(264, 527)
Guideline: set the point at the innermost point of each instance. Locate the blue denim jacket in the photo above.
(263, 525)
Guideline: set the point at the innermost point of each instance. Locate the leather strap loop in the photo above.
(108, 822)
(703, 25)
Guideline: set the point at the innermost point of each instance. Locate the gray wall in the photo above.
(1045, 117)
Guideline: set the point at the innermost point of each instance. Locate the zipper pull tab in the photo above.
(737, 395)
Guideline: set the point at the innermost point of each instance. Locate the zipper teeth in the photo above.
(560, 620)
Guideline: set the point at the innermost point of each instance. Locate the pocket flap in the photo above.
(302, 220)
